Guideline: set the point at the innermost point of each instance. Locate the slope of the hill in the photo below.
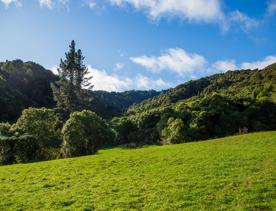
(215, 106)
(110, 104)
(233, 173)
(23, 84)
(242, 83)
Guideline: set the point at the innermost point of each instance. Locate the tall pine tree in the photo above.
(71, 92)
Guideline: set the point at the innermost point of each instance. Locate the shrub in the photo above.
(123, 127)
(20, 149)
(26, 149)
(174, 132)
(40, 123)
(83, 134)
(7, 150)
(5, 129)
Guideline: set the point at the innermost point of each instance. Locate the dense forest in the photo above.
(219, 105)
(47, 116)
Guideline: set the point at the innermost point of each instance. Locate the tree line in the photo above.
(215, 106)
(65, 131)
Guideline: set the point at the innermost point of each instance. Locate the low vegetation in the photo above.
(233, 173)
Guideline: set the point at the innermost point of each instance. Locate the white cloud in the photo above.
(195, 10)
(225, 65)
(246, 23)
(46, 3)
(119, 66)
(259, 64)
(111, 82)
(271, 7)
(193, 66)
(90, 3)
(103, 80)
(175, 60)
(54, 70)
(206, 11)
(52, 3)
(7, 3)
(145, 83)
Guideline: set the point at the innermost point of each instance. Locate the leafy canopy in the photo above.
(83, 134)
(39, 122)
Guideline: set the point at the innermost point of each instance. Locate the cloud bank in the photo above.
(112, 82)
(7, 3)
(196, 10)
(175, 60)
(199, 11)
(50, 4)
(192, 11)
(103, 80)
(185, 64)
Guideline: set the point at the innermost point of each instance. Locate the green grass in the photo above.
(233, 173)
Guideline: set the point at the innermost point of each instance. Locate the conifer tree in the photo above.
(71, 91)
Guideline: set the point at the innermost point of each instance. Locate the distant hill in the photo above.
(242, 83)
(28, 84)
(110, 104)
(23, 84)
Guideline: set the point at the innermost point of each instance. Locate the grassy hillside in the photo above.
(233, 173)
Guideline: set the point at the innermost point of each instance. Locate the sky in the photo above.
(142, 44)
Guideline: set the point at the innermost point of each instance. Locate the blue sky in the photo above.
(142, 44)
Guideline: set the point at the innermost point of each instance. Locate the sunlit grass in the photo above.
(236, 173)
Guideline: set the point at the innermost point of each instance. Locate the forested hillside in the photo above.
(254, 84)
(23, 84)
(110, 104)
(218, 105)
(27, 84)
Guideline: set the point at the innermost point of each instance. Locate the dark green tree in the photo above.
(71, 92)
(84, 133)
(41, 123)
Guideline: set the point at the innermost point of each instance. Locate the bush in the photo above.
(26, 149)
(5, 129)
(20, 149)
(174, 132)
(83, 134)
(123, 127)
(40, 123)
(7, 150)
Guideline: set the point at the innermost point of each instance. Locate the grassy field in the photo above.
(234, 173)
